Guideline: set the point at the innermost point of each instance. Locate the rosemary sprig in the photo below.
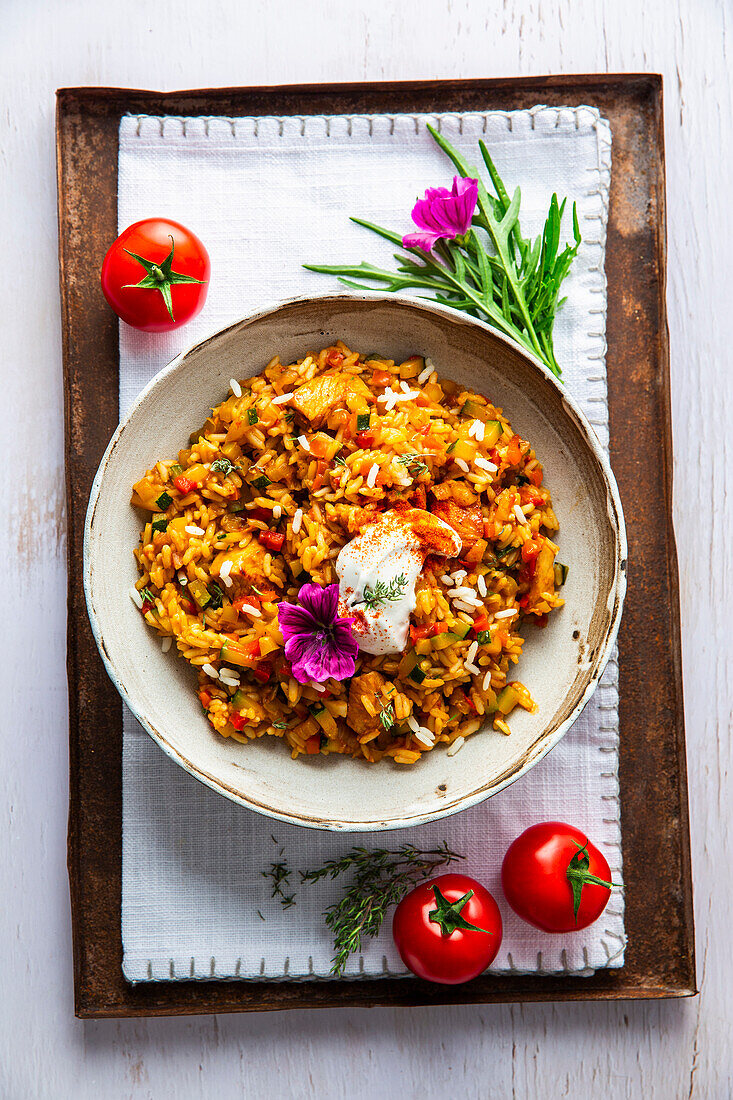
(493, 272)
(383, 592)
(380, 879)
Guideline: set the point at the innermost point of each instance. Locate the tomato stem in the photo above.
(448, 914)
(160, 276)
(578, 876)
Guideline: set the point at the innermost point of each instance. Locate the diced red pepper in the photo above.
(321, 467)
(187, 606)
(251, 601)
(238, 720)
(419, 632)
(184, 484)
(480, 623)
(365, 438)
(523, 601)
(263, 672)
(205, 698)
(263, 514)
(381, 378)
(440, 628)
(313, 744)
(514, 451)
(535, 476)
(488, 528)
(148, 605)
(335, 357)
(273, 540)
(530, 550)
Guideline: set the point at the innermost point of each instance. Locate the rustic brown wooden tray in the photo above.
(656, 848)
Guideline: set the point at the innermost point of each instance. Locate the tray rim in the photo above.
(100, 990)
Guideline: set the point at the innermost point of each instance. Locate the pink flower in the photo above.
(443, 214)
(318, 643)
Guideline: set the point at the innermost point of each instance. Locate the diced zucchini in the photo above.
(234, 656)
(252, 416)
(483, 637)
(260, 483)
(362, 422)
(164, 501)
(442, 641)
(236, 506)
(267, 646)
(416, 674)
(175, 470)
(326, 721)
(492, 432)
(200, 593)
(474, 410)
(216, 595)
(160, 521)
(239, 699)
(462, 449)
(561, 571)
(461, 629)
(426, 645)
(507, 699)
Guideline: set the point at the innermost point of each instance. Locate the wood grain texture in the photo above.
(657, 1050)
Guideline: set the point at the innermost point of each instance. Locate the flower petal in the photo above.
(321, 602)
(294, 620)
(425, 241)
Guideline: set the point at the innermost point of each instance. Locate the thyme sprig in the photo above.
(386, 714)
(492, 272)
(279, 876)
(413, 462)
(380, 878)
(383, 592)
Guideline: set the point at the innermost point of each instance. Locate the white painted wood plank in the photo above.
(656, 1050)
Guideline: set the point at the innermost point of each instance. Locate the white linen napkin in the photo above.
(267, 195)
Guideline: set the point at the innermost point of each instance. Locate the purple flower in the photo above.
(318, 643)
(443, 214)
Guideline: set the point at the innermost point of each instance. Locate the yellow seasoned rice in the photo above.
(261, 467)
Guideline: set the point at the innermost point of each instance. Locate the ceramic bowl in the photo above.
(560, 664)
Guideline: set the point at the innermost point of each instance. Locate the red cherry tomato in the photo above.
(156, 275)
(555, 879)
(448, 929)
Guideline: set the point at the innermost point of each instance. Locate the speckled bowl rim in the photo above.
(548, 739)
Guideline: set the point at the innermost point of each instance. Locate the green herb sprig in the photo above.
(222, 466)
(413, 462)
(493, 272)
(380, 879)
(384, 593)
(279, 876)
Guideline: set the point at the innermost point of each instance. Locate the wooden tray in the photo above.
(656, 848)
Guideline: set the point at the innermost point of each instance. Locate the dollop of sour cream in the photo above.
(387, 558)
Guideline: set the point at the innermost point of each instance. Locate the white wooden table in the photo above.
(655, 1050)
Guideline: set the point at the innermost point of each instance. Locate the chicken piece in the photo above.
(467, 522)
(357, 716)
(543, 579)
(431, 530)
(315, 399)
(247, 562)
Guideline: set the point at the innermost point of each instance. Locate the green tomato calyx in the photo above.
(448, 914)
